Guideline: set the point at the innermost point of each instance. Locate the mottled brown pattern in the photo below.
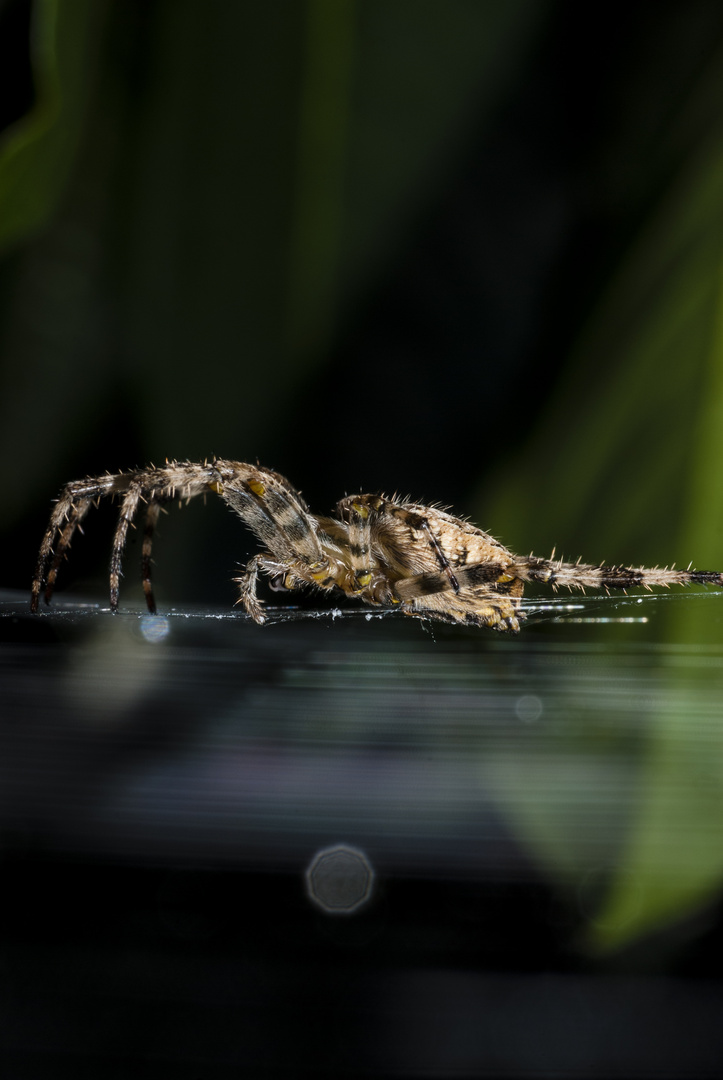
(384, 551)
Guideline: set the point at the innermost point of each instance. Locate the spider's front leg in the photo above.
(300, 548)
(248, 582)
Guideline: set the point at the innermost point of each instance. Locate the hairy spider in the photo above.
(385, 551)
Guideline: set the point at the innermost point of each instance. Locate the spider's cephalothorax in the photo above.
(385, 551)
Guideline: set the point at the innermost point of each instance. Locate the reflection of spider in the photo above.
(383, 551)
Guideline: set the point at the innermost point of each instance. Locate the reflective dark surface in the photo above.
(350, 844)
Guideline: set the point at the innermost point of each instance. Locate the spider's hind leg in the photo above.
(487, 595)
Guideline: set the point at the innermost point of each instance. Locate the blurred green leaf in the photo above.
(672, 861)
(36, 153)
(623, 461)
(625, 465)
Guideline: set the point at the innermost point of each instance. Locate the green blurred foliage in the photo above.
(38, 152)
(624, 464)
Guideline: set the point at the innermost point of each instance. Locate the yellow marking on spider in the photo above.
(410, 547)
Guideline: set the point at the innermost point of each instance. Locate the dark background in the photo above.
(464, 252)
(467, 250)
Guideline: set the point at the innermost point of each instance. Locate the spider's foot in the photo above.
(250, 602)
(503, 617)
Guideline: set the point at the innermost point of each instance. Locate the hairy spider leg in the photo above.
(486, 574)
(247, 583)
(276, 514)
(281, 521)
(584, 575)
(358, 515)
(77, 497)
(370, 517)
(184, 481)
(152, 514)
(73, 504)
(425, 553)
(421, 524)
(75, 515)
(488, 595)
(419, 576)
(128, 510)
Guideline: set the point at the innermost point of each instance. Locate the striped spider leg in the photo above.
(151, 486)
(436, 566)
(384, 551)
(433, 565)
(297, 552)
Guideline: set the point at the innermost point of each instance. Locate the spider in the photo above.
(385, 551)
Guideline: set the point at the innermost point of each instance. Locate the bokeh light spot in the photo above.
(340, 880)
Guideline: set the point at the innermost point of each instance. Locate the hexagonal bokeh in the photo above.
(340, 880)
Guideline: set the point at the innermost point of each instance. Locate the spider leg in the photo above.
(72, 513)
(439, 554)
(156, 486)
(281, 520)
(248, 581)
(74, 501)
(358, 516)
(128, 510)
(271, 508)
(584, 575)
(487, 595)
(373, 518)
(152, 513)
